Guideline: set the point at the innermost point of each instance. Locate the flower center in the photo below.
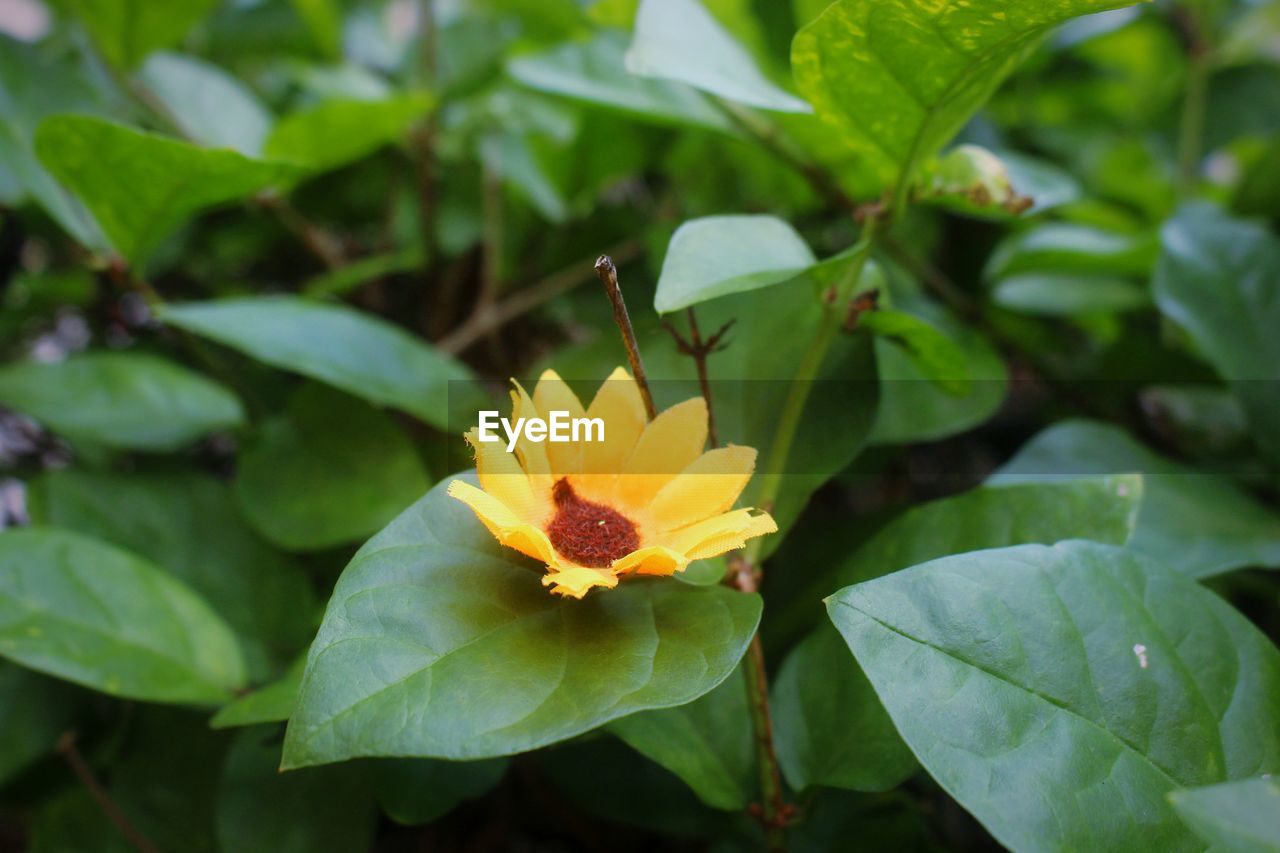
(588, 533)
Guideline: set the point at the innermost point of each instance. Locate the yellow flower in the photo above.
(645, 500)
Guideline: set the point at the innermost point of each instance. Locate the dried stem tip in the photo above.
(609, 277)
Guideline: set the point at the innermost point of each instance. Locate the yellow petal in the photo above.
(668, 444)
(507, 527)
(533, 455)
(501, 476)
(651, 560)
(575, 581)
(553, 394)
(619, 404)
(707, 487)
(729, 540)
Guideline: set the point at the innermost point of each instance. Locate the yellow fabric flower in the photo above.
(646, 500)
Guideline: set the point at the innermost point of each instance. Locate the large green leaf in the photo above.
(85, 611)
(680, 40)
(332, 469)
(1194, 521)
(1235, 817)
(139, 186)
(334, 344)
(31, 88)
(188, 524)
(127, 30)
(337, 132)
(439, 643)
(1060, 693)
(322, 808)
(593, 71)
(831, 729)
(120, 400)
(718, 255)
(708, 743)
(1219, 278)
(209, 105)
(901, 78)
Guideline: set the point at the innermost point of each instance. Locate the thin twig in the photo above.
(67, 749)
(608, 274)
(321, 243)
(489, 318)
(699, 350)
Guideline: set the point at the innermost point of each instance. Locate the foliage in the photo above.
(992, 288)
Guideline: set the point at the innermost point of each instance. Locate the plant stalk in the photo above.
(1191, 123)
(608, 274)
(71, 754)
(806, 373)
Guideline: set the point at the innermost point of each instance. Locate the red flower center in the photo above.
(588, 533)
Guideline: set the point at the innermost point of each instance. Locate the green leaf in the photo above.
(324, 19)
(719, 255)
(120, 400)
(1060, 693)
(338, 132)
(271, 703)
(1064, 248)
(914, 409)
(139, 186)
(334, 344)
(188, 524)
(900, 79)
(708, 743)
(260, 809)
(971, 180)
(85, 611)
(418, 791)
(211, 107)
(1234, 817)
(1191, 520)
(593, 71)
(1219, 278)
(440, 643)
(347, 278)
(680, 40)
(126, 31)
(938, 358)
(34, 712)
(1068, 295)
(331, 470)
(830, 728)
(31, 88)
(970, 177)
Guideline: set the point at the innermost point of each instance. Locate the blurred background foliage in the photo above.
(247, 246)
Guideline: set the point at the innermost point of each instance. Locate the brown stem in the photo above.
(699, 350)
(483, 321)
(320, 242)
(608, 274)
(67, 749)
(773, 811)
